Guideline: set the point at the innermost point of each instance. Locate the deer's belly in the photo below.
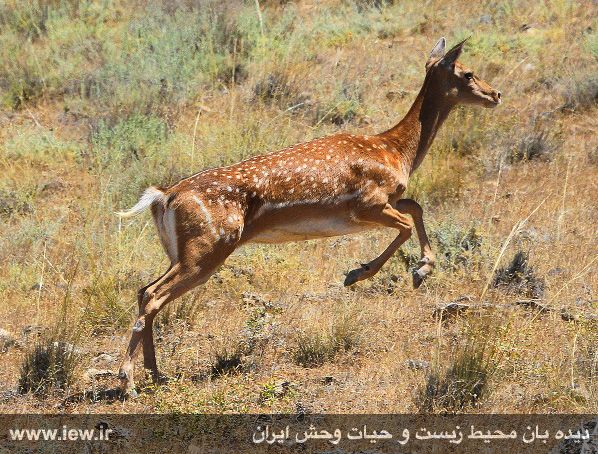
(307, 229)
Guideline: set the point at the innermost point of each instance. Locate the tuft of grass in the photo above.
(463, 382)
(227, 361)
(344, 107)
(277, 88)
(136, 137)
(580, 93)
(49, 366)
(105, 311)
(40, 145)
(184, 310)
(519, 277)
(314, 349)
(12, 203)
(537, 145)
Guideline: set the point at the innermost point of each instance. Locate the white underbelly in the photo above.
(307, 229)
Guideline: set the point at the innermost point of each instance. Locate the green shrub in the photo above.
(137, 137)
(344, 107)
(454, 246)
(39, 144)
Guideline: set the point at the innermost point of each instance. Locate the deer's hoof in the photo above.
(127, 387)
(418, 278)
(352, 277)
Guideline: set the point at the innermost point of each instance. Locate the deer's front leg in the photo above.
(405, 225)
(426, 263)
(388, 217)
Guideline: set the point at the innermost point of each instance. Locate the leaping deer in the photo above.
(329, 186)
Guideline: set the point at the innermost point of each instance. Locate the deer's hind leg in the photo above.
(198, 258)
(395, 216)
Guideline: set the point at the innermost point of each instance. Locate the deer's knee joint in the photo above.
(144, 298)
(411, 207)
(406, 229)
(139, 325)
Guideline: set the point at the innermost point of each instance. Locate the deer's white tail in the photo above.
(150, 196)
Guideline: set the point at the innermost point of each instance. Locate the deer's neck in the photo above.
(414, 134)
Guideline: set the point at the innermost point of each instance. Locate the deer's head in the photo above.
(457, 82)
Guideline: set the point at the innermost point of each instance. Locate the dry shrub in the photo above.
(49, 366)
(183, 310)
(519, 277)
(105, 310)
(227, 361)
(314, 349)
(463, 382)
(537, 145)
(581, 93)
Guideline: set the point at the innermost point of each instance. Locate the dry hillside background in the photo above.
(100, 99)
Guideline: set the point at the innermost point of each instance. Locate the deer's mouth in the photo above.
(491, 101)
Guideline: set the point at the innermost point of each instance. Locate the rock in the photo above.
(7, 340)
(328, 380)
(70, 348)
(32, 330)
(301, 410)
(525, 27)
(52, 186)
(417, 364)
(556, 271)
(104, 358)
(534, 305)
(568, 317)
(93, 373)
(282, 388)
(399, 94)
(486, 19)
(452, 309)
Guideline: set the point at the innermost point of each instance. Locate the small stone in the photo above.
(52, 186)
(486, 19)
(452, 309)
(555, 271)
(281, 388)
(392, 95)
(69, 348)
(93, 373)
(417, 364)
(32, 330)
(6, 340)
(533, 304)
(104, 358)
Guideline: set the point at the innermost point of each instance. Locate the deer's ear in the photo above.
(437, 53)
(453, 54)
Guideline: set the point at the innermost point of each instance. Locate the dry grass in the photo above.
(90, 116)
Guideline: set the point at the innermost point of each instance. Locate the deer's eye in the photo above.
(468, 75)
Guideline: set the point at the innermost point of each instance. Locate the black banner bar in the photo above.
(199, 434)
